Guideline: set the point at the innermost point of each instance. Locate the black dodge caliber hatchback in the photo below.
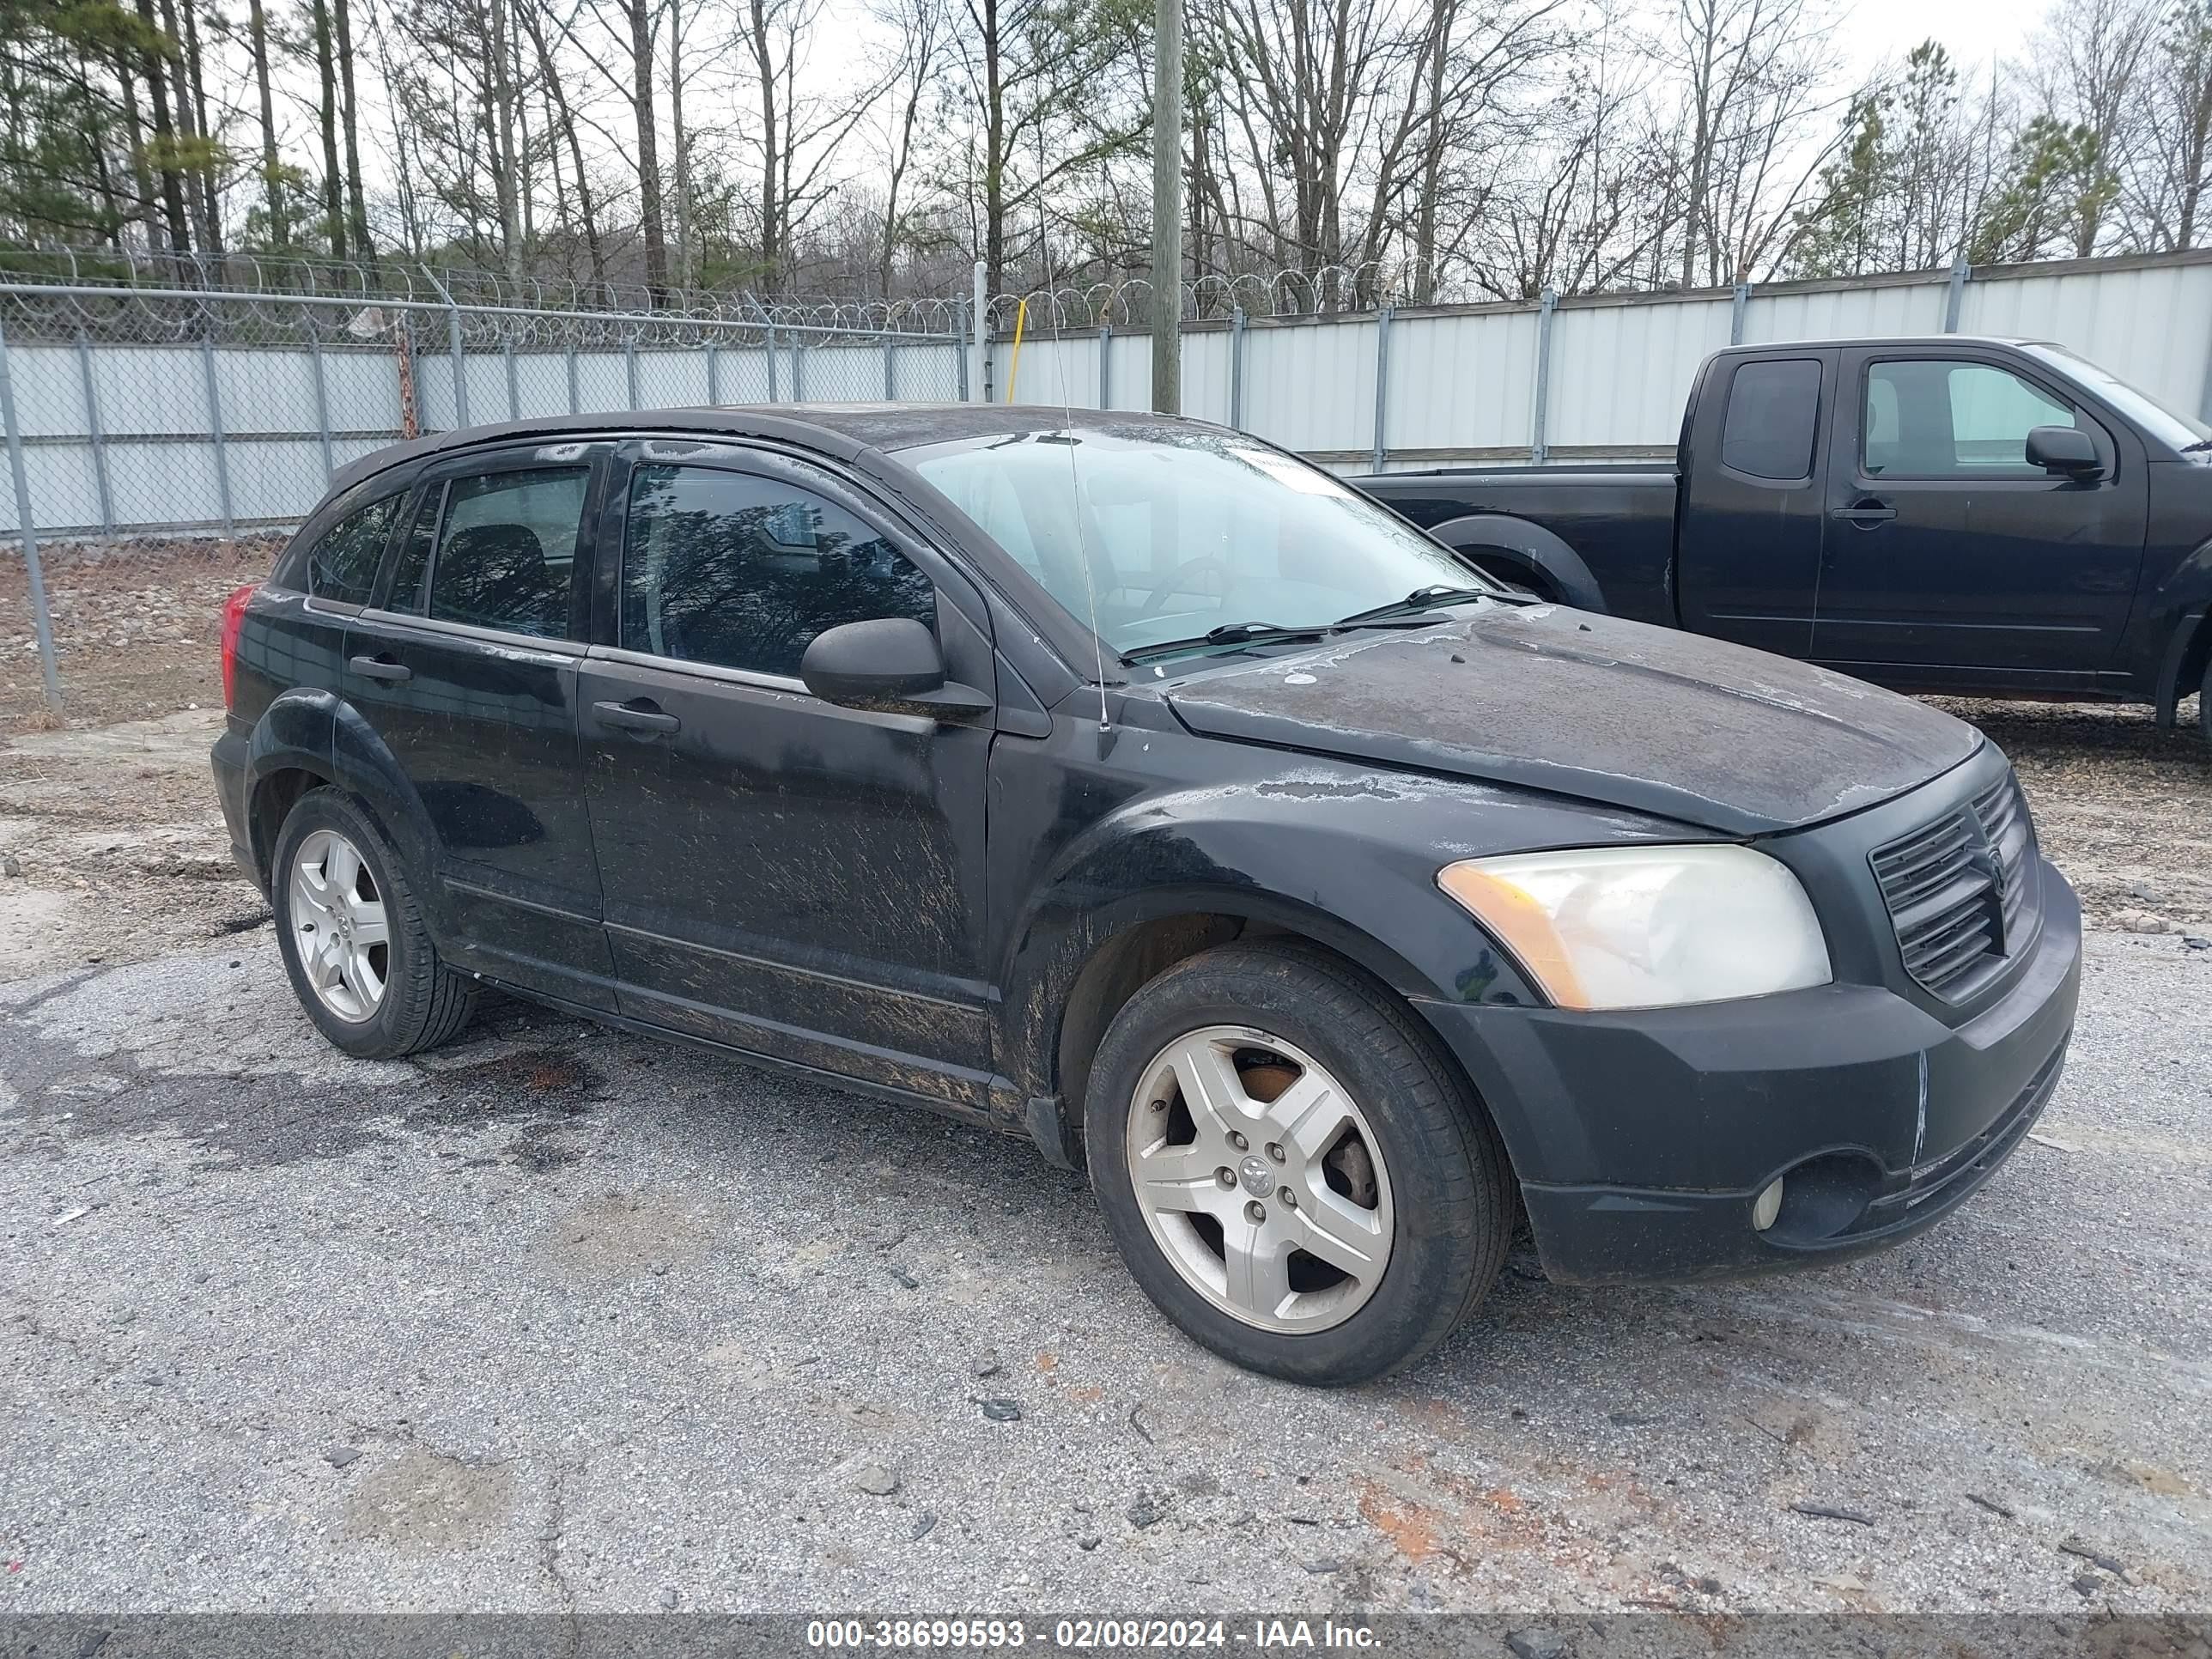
(1131, 785)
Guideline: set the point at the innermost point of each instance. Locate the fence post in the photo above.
(980, 317)
(215, 432)
(797, 374)
(1540, 448)
(1105, 365)
(772, 397)
(453, 346)
(1735, 313)
(322, 399)
(890, 371)
(1237, 371)
(41, 623)
(960, 352)
(575, 403)
(1382, 383)
(513, 393)
(1955, 295)
(629, 372)
(92, 427)
(714, 373)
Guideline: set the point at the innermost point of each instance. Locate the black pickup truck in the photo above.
(1981, 517)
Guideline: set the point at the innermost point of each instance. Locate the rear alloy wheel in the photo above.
(360, 956)
(1291, 1166)
(340, 930)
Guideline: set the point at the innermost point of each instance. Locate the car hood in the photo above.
(1648, 719)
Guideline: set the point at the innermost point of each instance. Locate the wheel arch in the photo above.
(1528, 547)
(307, 738)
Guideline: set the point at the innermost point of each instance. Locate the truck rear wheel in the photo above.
(1292, 1168)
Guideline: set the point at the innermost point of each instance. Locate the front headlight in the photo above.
(1647, 926)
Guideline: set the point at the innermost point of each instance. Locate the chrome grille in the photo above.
(1960, 890)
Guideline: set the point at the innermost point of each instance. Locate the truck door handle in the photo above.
(381, 668)
(638, 715)
(1866, 512)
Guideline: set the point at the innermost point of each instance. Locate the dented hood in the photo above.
(1629, 715)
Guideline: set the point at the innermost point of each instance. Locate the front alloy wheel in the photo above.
(341, 932)
(1290, 1165)
(1257, 1174)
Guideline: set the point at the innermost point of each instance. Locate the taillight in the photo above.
(234, 619)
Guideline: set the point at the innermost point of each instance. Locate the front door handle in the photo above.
(639, 715)
(382, 668)
(1866, 512)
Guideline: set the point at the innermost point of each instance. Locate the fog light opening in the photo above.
(1766, 1206)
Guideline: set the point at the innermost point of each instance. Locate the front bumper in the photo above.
(1642, 1140)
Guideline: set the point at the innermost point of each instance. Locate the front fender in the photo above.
(2177, 612)
(1350, 865)
(1529, 547)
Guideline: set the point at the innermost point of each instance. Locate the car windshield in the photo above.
(1184, 530)
(2175, 430)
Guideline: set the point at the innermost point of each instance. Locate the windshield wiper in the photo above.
(1420, 599)
(1236, 633)
(2199, 447)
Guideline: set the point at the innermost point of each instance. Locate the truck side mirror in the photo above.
(2064, 449)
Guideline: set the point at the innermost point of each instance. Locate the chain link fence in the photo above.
(131, 408)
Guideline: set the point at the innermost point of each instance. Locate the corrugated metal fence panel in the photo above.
(1846, 313)
(2152, 326)
(1311, 386)
(1131, 359)
(1206, 374)
(1620, 373)
(1457, 382)
(1048, 371)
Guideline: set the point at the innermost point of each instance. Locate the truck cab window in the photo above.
(1772, 411)
(1933, 419)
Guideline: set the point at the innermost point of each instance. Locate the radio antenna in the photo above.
(1067, 419)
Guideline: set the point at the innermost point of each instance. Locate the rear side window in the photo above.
(341, 568)
(743, 572)
(505, 553)
(1772, 410)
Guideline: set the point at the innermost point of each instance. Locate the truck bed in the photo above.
(1618, 518)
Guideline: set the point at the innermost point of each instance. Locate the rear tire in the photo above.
(352, 935)
(1397, 1143)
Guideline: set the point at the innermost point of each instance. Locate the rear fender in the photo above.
(1512, 544)
(314, 732)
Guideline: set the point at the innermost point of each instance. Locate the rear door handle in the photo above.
(382, 668)
(1866, 512)
(639, 716)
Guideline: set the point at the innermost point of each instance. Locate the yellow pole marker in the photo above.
(1014, 369)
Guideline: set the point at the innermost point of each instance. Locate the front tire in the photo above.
(353, 937)
(1289, 1166)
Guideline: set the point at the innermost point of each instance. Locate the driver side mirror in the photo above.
(890, 659)
(2064, 449)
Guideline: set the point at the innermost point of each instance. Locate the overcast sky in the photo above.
(1972, 31)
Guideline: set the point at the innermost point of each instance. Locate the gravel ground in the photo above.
(561, 1321)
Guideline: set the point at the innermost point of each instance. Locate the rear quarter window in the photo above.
(1772, 410)
(341, 566)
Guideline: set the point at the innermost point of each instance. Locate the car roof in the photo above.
(844, 431)
(1882, 343)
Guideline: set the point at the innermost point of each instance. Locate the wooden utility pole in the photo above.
(1167, 208)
